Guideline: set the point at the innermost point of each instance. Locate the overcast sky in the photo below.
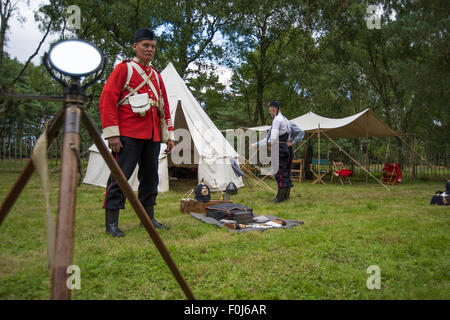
(24, 38)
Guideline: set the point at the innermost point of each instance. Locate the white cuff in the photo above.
(171, 136)
(112, 131)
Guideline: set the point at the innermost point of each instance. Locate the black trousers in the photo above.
(135, 151)
(439, 200)
(283, 175)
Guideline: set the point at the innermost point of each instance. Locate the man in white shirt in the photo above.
(279, 135)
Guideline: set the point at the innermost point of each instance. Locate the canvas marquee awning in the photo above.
(364, 124)
(360, 125)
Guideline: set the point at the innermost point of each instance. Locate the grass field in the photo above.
(346, 229)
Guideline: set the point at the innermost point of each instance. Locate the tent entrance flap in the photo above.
(185, 154)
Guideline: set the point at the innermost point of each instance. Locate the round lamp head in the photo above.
(75, 58)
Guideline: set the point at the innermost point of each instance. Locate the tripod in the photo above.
(70, 117)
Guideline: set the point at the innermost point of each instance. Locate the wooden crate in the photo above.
(192, 205)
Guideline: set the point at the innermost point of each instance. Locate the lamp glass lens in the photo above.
(75, 57)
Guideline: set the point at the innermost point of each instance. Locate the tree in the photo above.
(191, 32)
(260, 25)
(397, 58)
(7, 10)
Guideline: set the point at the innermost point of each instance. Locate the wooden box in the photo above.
(192, 205)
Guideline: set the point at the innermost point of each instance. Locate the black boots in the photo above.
(282, 195)
(287, 195)
(151, 215)
(112, 223)
(278, 197)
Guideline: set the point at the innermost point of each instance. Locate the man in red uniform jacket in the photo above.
(133, 132)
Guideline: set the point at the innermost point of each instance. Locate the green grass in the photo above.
(346, 229)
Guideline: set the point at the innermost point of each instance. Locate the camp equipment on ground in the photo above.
(230, 211)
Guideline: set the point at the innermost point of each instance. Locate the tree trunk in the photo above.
(6, 10)
(400, 152)
(259, 112)
(386, 153)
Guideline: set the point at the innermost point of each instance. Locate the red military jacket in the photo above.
(121, 120)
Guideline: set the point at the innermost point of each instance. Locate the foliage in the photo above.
(26, 117)
(309, 55)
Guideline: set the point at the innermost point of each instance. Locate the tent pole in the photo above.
(367, 147)
(305, 141)
(318, 149)
(414, 160)
(305, 152)
(254, 177)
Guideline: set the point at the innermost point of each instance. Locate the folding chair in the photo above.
(338, 166)
(297, 163)
(390, 174)
(325, 164)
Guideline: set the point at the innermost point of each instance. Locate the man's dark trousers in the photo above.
(133, 152)
(286, 154)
